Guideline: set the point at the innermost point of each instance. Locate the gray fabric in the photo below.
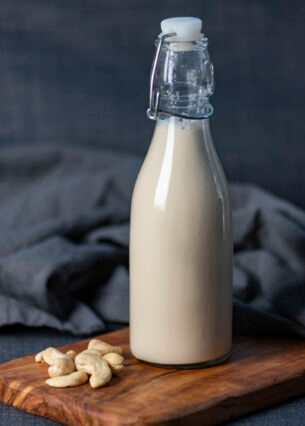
(287, 414)
(64, 235)
(269, 267)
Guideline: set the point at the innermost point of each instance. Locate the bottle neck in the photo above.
(185, 79)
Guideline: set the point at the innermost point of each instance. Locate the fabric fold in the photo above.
(64, 236)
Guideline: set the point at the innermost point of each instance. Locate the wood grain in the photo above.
(259, 373)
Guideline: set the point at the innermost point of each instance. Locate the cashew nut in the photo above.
(100, 360)
(73, 379)
(92, 351)
(39, 357)
(71, 354)
(104, 347)
(61, 367)
(60, 363)
(96, 367)
(115, 362)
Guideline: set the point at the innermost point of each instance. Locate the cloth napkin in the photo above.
(64, 236)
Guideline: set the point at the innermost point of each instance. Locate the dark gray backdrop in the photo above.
(77, 72)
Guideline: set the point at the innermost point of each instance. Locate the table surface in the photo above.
(19, 341)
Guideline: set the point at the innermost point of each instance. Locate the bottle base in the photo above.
(204, 364)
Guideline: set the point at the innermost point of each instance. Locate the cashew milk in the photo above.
(181, 249)
(180, 229)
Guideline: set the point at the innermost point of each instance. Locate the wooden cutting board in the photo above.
(259, 373)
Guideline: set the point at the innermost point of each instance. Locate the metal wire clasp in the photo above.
(154, 96)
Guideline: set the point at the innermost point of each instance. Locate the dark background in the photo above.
(77, 72)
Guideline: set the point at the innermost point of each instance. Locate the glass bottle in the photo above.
(181, 232)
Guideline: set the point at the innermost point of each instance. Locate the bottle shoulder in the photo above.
(185, 155)
(178, 172)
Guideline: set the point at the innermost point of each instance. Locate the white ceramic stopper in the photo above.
(186, 28)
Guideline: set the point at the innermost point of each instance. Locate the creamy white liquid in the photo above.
(180, 249)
